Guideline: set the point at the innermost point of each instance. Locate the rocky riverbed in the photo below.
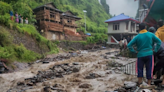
(83, 71)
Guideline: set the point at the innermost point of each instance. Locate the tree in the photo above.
(105, 6)
(89, 11)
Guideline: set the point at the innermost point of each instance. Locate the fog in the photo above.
(128, 7)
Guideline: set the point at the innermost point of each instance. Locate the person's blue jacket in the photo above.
(144, 42)
(11, 13)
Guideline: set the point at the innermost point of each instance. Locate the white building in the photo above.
(119, 27)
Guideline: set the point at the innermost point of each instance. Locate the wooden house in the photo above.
(54, 22)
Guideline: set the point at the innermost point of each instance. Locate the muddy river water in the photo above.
(87, 72)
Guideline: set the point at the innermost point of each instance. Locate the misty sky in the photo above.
(128, 7)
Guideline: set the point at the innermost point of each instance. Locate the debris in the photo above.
(76, 69)
(20, 84)
(145, 90)
(85, 86)
(84, 52)
(45, 62)
(75, 63)
(129, 84)
(92, 76)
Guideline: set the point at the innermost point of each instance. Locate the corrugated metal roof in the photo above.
(120, 17)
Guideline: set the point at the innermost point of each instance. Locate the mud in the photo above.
(86, 72)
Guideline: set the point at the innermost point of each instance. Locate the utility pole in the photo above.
(85, 19)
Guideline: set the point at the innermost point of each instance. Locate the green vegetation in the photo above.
(105, 5)
(96, 15)
(10, 51)
(97, 38)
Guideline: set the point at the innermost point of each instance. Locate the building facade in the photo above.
(119, 27)
(54, 23)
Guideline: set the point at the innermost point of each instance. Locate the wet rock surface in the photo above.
(87, 72)
(85, 86)
(57, 71)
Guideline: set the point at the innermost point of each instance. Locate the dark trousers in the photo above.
(159, 65)
(147, 61)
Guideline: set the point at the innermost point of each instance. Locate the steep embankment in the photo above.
(21, 46)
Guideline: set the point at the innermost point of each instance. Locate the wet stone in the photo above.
(30, 84)
(47, 84)
(85, 86)
(20, 84)
(75, 63)
(76, 69)
(46, 89)
(45, 62)
(92, 76)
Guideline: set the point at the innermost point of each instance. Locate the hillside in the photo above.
(96, 14)
(23, 42)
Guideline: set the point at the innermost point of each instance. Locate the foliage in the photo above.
(5, 8)
(105, 6)
(5, 53)
(97, 38)
(5, 38)
(8, 50)
(26, 55)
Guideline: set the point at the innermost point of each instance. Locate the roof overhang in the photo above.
(123, 20)
(132, 33)
(38, 8)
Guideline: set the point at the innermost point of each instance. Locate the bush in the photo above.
(5, 53)
(97, 38)
(5, 8)
(26, 55)
(5, 37)
(5, 19)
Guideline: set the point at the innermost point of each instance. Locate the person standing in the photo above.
(11, 15)
(160, 32)
(19, 18)
(159, 58)
(22, 20)
(125, 43)
(26, 20)
(144, 52)
(16, 18)
(129, 39)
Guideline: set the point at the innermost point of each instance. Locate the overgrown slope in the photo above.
(17, 51)
(96, 13)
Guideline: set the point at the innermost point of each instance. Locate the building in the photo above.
(54, 23)
(144, 6)
(154, 11)
(119, 27)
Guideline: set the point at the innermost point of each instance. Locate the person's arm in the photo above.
(158, 43)
(130, 45)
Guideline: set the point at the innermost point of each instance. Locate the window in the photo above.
(116, 26)
(127, 24)
(52, 16)
(69, 21)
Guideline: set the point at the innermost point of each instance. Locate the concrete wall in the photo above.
(122, 28)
